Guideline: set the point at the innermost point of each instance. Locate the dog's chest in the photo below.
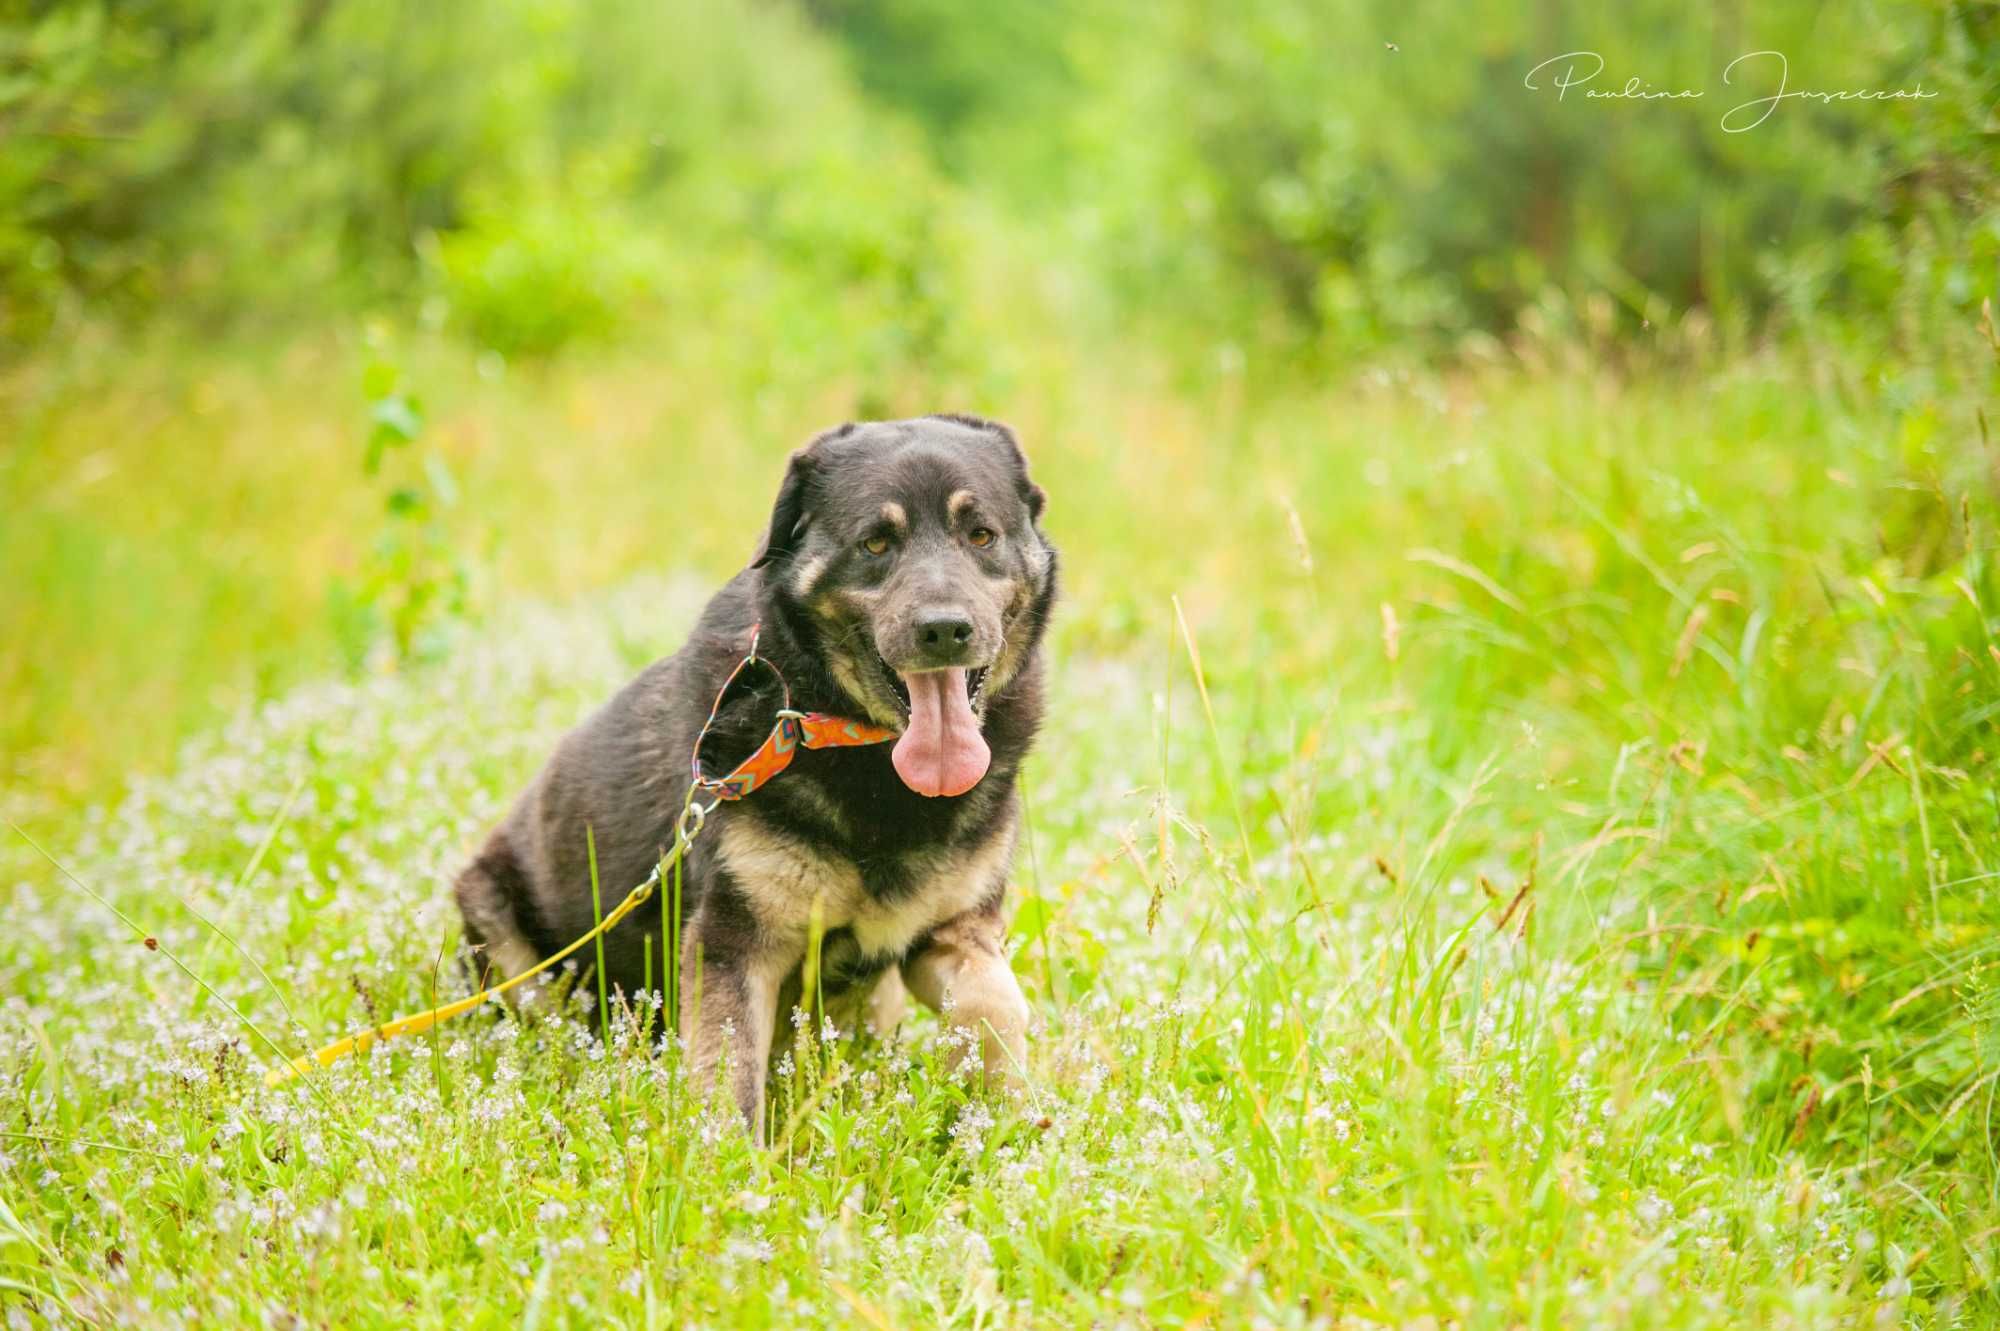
(785, 879)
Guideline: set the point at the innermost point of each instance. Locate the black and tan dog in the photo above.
(904, 582)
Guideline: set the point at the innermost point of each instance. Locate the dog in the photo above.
(904, 583)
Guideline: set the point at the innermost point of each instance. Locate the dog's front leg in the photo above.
(729, 1007)
(961, 971)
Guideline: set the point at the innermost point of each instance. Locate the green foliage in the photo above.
(1377, 177)
(412, 584)
(551, 161)
(213, 155)
(1367, 177)
(542, 277)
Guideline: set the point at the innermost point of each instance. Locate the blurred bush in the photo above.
(528, 171)
(1377, 173)
(537, 277)
(1358, 176)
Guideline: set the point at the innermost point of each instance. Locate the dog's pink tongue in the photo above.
(942, 751)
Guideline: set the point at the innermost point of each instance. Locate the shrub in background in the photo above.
(553, 162)
(1373, 175)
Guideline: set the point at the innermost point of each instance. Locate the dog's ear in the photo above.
(788, 515)
(1036, 498)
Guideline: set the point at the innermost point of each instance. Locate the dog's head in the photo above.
(914, 550)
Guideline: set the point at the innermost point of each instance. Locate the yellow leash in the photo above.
(791, 731)
(417, 1023)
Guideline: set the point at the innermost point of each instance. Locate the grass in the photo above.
(1510, 849)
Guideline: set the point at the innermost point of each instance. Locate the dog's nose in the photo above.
(944, 635)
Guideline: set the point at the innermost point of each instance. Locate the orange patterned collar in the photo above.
(813, 730)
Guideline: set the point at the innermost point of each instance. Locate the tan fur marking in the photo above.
(1005, 666)
(780, 875)
(503, 952)
(844, 611)
(808, 574)
(879, 1005)
(893, 514)
(849, 677)
(1038, 559)
(964, 974)
(888, 1003)
(737, 1026)
(960, 882)
(841, 605)
(960, 501)
(510, 957)
(1020, 603)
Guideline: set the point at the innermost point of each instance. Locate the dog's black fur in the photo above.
(905, 881)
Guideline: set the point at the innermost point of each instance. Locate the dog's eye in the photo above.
(876, 545)
(981, 536)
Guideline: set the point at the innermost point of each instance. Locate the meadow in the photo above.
(1511, 849)
(1514, 840)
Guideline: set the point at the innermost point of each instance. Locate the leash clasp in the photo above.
(693, 814)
